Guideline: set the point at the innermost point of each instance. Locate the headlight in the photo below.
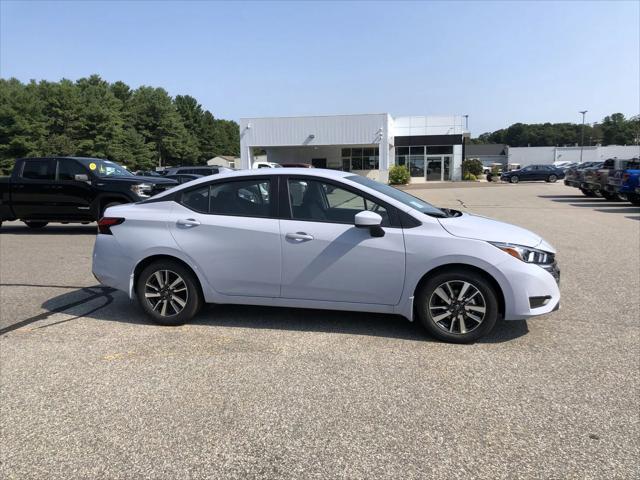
(142, 189)
(526, 254)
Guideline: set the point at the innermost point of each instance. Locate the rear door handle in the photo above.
(299, 236)
(188, 222)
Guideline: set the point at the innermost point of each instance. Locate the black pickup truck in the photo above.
(70, 189)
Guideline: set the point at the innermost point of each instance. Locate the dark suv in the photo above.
(70, 189)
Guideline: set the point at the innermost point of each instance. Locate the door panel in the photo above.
(73, 197)
(238, 255)
(434, 168)
(32, 192)
(237, 246)
(341, 263)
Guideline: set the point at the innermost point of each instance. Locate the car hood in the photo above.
(142, 179)
(482, 228)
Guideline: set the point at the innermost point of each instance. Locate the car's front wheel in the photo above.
(552, 178)
(457, 306)
(587, 193)
(514, 179)
(169, 293)
(634, 198)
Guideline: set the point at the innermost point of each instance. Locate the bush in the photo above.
(472, 166)
(399, 175)
(470, 176)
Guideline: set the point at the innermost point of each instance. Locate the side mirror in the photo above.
(370, 220)
(81, 177)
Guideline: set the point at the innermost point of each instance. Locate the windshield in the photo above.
(107, 168)
(400, 196)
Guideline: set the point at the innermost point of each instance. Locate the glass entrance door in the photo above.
(438, 168)
(434, 168)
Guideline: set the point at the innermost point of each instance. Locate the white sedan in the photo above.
(325, 239)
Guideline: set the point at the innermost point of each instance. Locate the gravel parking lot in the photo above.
(91, 389)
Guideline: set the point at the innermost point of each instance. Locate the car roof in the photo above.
(262, 172)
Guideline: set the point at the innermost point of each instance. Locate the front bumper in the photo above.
(572, 183)
(528, 281)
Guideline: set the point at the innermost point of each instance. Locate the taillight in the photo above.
(105, 224)
(625, 177)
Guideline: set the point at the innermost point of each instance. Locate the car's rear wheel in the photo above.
(32, 224)
(634, 198)
(552, 178)
(514, 179)
(169, 293)
(587, 193)
(612, 197)
(458, 306)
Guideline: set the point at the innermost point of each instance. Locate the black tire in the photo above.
(110, 204)
(32, 224)
(606, 195)
(634, 198)
(587, 193)
(552, 178)
(447, 332)
(611, 197)
(514, 179)
(147, 283)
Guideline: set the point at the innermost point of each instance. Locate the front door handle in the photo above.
(299, 236)
(188, 222)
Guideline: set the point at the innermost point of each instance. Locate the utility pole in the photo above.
(583, 112)
(466, 122)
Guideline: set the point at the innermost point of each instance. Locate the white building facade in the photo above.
(368, 144)
(546, 155)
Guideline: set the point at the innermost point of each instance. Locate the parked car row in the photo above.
(614, 179)
(78, 190)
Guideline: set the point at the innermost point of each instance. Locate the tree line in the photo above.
(614, 129)
(141, 128)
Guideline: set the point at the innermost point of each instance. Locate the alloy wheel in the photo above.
(166, 292)
(457, 307)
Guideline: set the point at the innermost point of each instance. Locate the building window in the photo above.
(360, 158)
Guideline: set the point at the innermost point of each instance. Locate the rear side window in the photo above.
(197, 200)
(39, 169)
(250, 198)
(68, 169)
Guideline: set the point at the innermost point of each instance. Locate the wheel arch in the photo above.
(104, 199)
(472, 268)
(145, 262)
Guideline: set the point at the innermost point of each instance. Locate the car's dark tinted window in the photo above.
(324, 202)
(43, 169)
(249, 198)
(68, 169)
(197, 199)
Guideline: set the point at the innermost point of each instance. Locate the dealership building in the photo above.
(369, 144)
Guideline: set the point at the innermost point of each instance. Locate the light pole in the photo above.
(466, 122)
(583, 112)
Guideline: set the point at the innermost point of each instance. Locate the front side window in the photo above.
(68, 169)
(107, 168)
(324, 202)
(39, 169)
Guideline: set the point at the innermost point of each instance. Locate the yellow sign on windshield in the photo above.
(92, 166)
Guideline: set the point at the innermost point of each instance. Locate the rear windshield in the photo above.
(400, 196)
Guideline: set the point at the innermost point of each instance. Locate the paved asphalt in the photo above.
(91, 389)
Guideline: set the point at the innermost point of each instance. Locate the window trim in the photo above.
(287, 211)
(274, 192)
(57, 172)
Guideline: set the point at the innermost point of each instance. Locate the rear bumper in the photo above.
(572, 183)
(111, 267)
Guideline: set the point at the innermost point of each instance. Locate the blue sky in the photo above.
(498, 62)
